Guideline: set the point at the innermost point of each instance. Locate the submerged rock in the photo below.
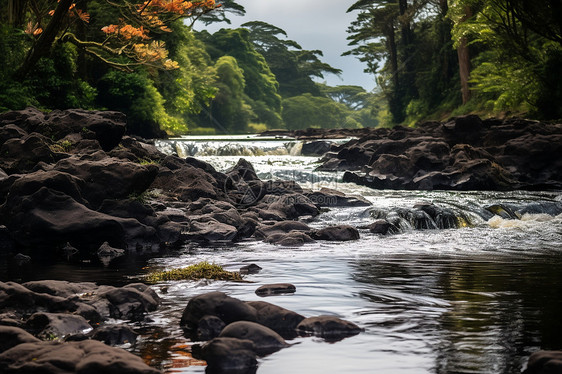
(228, 355)
(330, 328)
(275, 289)
(544, 362)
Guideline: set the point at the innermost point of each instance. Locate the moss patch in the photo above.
(202, 270)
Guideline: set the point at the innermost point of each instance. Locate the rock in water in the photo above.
(86, 357)
(330, 328)
(275, 289)
(224, 355)
(266, 341)
(337, 233)
(544, 362)
(218, 304)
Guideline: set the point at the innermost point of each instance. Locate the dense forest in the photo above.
(431, 58)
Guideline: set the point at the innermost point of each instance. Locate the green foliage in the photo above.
(202, 131)
(300, 112)
(135, 95)
(260, 83)
(518, 68)
(229, 111)
(292, 66)
(189, 88)
(201, 270)
(257, 127)
(52, 84)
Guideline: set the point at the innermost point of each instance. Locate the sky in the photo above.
(314, 24)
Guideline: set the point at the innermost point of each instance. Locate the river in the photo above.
(475, 299)
(479, 298)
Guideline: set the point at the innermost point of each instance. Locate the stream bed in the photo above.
(476, 299)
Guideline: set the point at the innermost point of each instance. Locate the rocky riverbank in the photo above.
(465, 153)
(71, 183)
(73, 186)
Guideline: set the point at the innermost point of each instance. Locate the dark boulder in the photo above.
(59, 287)
(107, 253)
(208, 327)
(12, 336)
(275, 289)
(281, 320)
(315, 148)
(51, 326)
(218, 304)
(49, 217)
(337, 233)
(228, 356)
(330, 328)
(180, 181)
(210, 230)
(108, 177)
(380, 226)
(250, 269)
(21, 155)
(8, 132)
(286, 233)
(134, 149)
(115, 335)
(29, 119)
(266, 340)
(544, 362)
(15, 297)
(108, 126)
(330, 198)
(55, 180)
(84, 357)
(130, 302)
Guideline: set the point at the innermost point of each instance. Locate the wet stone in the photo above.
(276, 289)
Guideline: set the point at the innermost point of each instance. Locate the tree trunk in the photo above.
(464, 69)
(464, 62)
(43, 45)
(393, 53)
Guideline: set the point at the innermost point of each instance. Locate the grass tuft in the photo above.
(202, 270)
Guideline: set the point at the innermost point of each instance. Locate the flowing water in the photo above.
(477, 298)
(474, 299)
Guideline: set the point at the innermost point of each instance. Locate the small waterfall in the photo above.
(427, 216)
(295, 149)
(423, 216)
(190, 148)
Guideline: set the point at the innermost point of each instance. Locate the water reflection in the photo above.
(477, 315)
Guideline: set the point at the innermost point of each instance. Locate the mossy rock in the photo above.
(202, 270)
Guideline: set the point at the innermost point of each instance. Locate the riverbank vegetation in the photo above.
(431, 59)
(435, 58)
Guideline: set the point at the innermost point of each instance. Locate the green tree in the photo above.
(304, 111)
(407, 45)
(293, 67)
(520, 43)
(261, 86)
(229, 111)
(191, 87)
